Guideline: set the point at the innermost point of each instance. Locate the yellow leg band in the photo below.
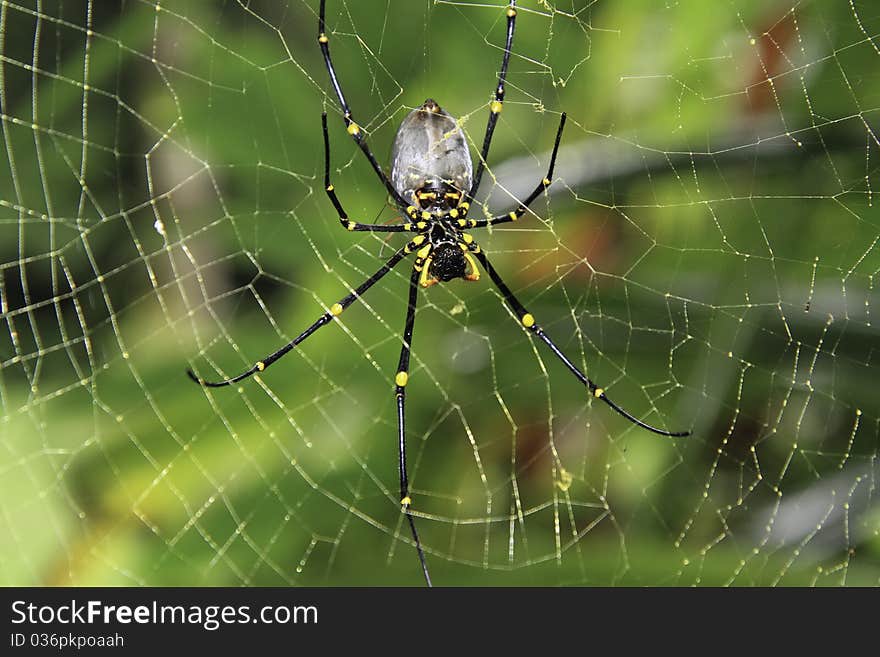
(528, 321)
(473, 274)
(424, 281)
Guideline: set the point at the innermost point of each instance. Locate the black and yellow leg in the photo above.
(539, 189)
(497, 103)
(351, 125)
(347, 223)
(334, 311)
(401, 378)
(528, 321)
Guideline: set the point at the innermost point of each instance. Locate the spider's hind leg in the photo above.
(541, 186)
(497, 103)
(337, 204)
(351, 125)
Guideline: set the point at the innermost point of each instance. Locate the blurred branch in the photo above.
(830, 516)
(599, 160)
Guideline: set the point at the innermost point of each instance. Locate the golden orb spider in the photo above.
(432, 183)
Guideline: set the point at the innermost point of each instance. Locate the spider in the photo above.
(432, 183)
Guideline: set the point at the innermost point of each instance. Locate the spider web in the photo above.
(707, 254)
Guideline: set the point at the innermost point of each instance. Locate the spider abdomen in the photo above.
(430, 160)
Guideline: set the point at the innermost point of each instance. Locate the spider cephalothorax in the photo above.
(448, 262)
(444, 260)
(432, 183)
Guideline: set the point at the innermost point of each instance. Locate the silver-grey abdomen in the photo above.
(429, 149)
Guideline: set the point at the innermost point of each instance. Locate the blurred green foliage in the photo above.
(162, 206)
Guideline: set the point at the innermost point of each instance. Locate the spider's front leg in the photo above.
(335, 310)
(400, 381)
(528, 321)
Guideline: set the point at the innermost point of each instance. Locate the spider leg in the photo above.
(331, 192)
(544, 184)
(350, 125)
(335, 310)
(496, 104)
(528, 321)
(400, 381)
